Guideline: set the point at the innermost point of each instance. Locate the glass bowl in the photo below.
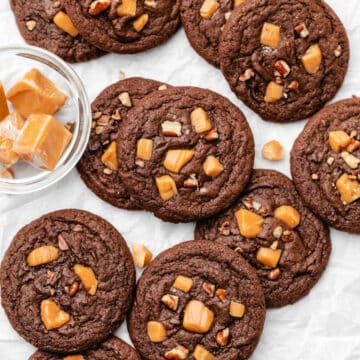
(17, 60)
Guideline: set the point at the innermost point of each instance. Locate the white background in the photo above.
(323, 326)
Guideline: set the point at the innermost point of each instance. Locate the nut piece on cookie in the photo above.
(302, 30)
(175, 160)
(109, 158)
(274, 92)
(339, 140)
(178, 353)
(141, 254)
(197, 318)
(63, 21)
(273, 151)
(140, 22)
(98, 6)
(200, 120)
(350, 160)
(145, 149)
(52, 316)
(208, 8)
(156, 331)
(268, 256)
(348, 188)
(222, 337)
(166, 186)
(43, 255)
(270, 35)
(312, 59)
(237, 309)
(212, 166)
(183, 283)
(171, 301)
(87, 278)
(289, 215)
(127, 8)
(201, 353)
(221, 294)
(249, 223)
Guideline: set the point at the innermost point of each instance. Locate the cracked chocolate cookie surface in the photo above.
(325, 164)
(99, 167)
(67, 281)
(35, 20)
(282, 239)
(284, 58)
(185, 153)
(197, 300)
(126, 26)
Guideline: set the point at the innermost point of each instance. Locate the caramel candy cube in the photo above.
(166, 186)
(175, 160)
(6, 173)
(63, 21)
(11, 125)
(349, 189)
(339, 140)
(141, 22)
(156, 331)
(74, 357)
(208, 8)
(52, 316)
(312, 59)
(268, 256)
(200, 120)
(8, 156)
(183, 283)
(270, 35)
(274, 92)
(288, 215)
(145, 149)
(141, 254)
(197, 318)
(109, 158)
(249, 223)
(273, 151)
(87, 278)
(212, 166)
(236, 309)
(238, 2)
(201, 353)
(4, 110)
(42, 141)
(43, 255)
(36, 94)
(127, 8)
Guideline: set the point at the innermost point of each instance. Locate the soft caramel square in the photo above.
(175, 160)
(109, 158)
(249, 223)
(11, 125)
(4, 110)
(8, 156)
(198, 318)
(270, 35)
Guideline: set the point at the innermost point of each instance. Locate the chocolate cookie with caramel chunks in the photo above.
(271, 227)
(284, 58)
(98, 166)
(125, 26)
(185, 153)
(325, 162)
(198, 300)
(111, 349)
(67, 281)
(45, 23)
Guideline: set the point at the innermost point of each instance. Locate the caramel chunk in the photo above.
(36, 94)
(4, 110)
(339, 140)
(197, 318)
(212, 166)
(273, 151)
(312, 59)
(141, 22)
(6, 173)
(52, 316)
(8, 157)
(141, 254)
(183, 283)
(270, 35)
(166, 186)
(200, 120)
(288, 215)
(63, 21)
(349, 189)
(43, 255)
(268, 256)
(145, 149)
(175, 160)
(274, 92)
(109, 158)
(11, 125)
(74, 357)
(87, 278)
(237, 309)
(127, 8)
(249, 223)
(156, 331)
(208, 8)
(238, 2)
(42, 141)
(201, 353)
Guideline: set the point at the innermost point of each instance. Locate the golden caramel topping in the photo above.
(212, 166)
(274, 92)
(11, 125)
(197, 318)
(288, 215)
(156, 331)
(339, 140)
(200, 120)
(141, 254)
(268, 256)
(312, 59)
(98, 6)
(4, 110)
(145, 149)
(201, 353)
(166, 186)
(208, 8)
(183, 283)
(236, 309)
(63, 21)
(175, 160)
(109, 158)
(249, 223)
(141, 22)
(238, 2)
(270, 35)
(52, 316)
(349, 189)
(74, 357)
(43, 255)
(273, 151)
(87, 278)
(127, 8)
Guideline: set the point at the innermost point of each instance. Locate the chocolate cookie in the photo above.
(35, 20)
(185, 153)
(98, 166)
(67, 281)
(325, 164)
(128, 26)
(280, 237)
(197, 300)
(284, 58)
(111, 349)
